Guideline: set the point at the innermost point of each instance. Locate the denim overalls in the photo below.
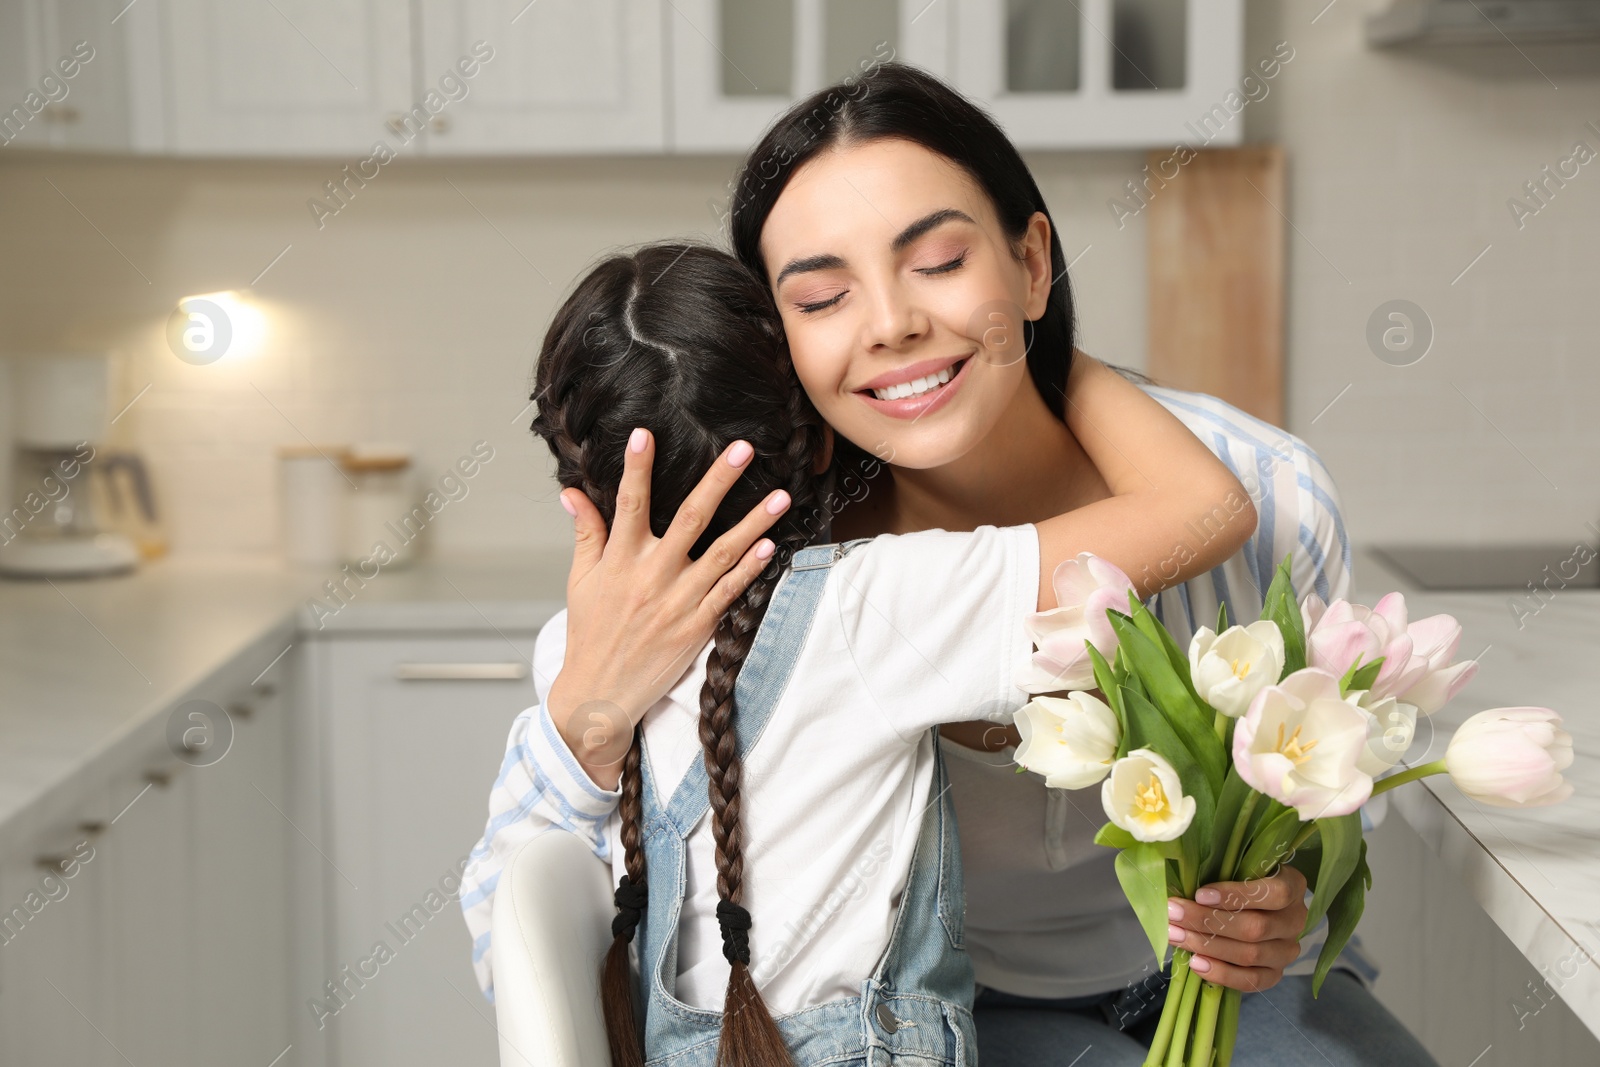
(916, 1008)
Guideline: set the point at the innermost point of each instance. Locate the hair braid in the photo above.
(749, 1036)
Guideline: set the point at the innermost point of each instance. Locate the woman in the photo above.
(899, 231)
(828, 867)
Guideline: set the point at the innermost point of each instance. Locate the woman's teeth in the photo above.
(918, 386)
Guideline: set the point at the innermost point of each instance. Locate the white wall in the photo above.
(413, 317)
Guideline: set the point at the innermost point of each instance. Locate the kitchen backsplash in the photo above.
(415, 314)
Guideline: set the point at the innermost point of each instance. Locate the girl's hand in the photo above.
(638, 609)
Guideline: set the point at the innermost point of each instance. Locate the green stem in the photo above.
(1205, 1030)
(1230, 855)
(1422, 770)
(1180, 1031)
(1228, 1026)
(1181, 975)
(1219, 723)
(1303, 836)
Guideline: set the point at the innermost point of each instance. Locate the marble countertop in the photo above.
(88, 664)
(1535, 871)
(85, 665)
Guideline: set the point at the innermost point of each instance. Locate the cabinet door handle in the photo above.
(461, 672)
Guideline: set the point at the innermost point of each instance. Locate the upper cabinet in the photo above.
(738, 64)
(346, 78)
(551, 76)
(290, 77)
(1103, 73)
(73, 76)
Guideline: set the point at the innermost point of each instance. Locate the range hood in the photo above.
(1420, 22)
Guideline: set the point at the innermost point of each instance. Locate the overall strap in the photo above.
(766, 670)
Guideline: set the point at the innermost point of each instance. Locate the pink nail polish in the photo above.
(1174, 910)
(740, 454)
(1208, 897)
(764, 549)
(779, 501)
(1175, 934)
(636, 441)
(1200, 964)
(567, 504)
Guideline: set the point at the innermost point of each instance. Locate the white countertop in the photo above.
(87, 664)
(1536, 871)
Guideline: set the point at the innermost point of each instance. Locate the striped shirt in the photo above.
(1010, 920)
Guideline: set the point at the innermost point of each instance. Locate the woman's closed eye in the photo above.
(809, 307)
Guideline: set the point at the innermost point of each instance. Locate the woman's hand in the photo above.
(638, 609)
(1248, 934)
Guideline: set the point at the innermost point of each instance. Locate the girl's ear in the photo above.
(825, 457)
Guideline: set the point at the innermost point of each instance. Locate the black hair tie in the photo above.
(735, 923)
(630, 901)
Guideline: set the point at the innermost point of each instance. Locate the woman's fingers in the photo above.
(1244, 979)
(733, 583)
(696, 512)
(588, 531)
(733, 546)
(631, 524)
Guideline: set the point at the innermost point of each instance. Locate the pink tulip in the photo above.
(1434, 642)
(1345, 634)
(1085, 588)
(1301, 744)
(1511, 757)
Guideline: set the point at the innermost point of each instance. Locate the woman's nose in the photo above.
(896, 321)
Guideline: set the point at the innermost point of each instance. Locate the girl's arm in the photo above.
(1176, 510)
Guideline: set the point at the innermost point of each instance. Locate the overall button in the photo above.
(886, 1018)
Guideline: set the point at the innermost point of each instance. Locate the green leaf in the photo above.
(1343, 915)
(1152, 628)
(1109, 681)
(1142, 870)
(1191, 719)
(1363, 677)
(1280, 606)
(1113, 836)
(1148, 728)
(1341, 851)
(1269, 846)
(1229, 801)
(1222, 617)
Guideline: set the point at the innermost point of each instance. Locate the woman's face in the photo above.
(903, 298)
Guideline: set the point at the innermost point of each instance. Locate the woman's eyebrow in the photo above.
(828, 261)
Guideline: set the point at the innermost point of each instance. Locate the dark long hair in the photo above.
(682, 340)
(897, 101)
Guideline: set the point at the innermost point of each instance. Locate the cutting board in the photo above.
(1216, 261)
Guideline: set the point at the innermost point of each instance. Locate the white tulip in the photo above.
(1071, 740)
(1230, 669)
(1511, 757)
(1144, 796)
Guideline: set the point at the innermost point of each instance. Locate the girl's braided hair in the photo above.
(682, 340)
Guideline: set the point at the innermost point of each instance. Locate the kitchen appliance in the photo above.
(62, 481)
(1496, 22)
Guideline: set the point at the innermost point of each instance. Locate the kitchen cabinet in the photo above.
(1104, 73)
(416, 726)
(738, 64)
(67, 76)
(291, 77)
(166, 936)
(565, 75)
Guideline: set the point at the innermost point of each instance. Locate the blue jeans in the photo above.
(1281, 1027)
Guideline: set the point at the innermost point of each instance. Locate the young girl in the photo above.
(828, 872)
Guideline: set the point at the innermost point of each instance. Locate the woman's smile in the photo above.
(916, 390)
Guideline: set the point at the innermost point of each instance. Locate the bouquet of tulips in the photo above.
(1254, 750)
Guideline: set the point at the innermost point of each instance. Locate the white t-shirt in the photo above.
(910, 631)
